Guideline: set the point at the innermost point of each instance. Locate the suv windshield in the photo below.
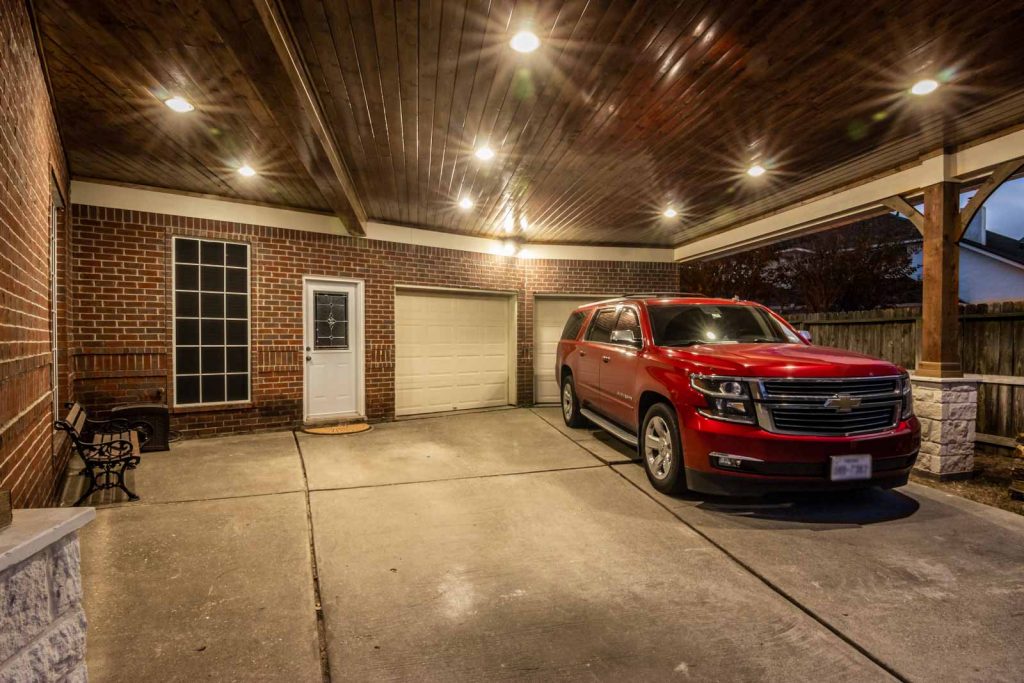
(688, 324)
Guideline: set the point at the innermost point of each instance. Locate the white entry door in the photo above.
(453, 351)
(333, 340)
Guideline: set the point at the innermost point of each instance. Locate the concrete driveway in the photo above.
(500, 545)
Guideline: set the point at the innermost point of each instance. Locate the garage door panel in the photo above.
(550, 315)
(452, 351)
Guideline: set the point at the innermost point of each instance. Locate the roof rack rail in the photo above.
(661, 295)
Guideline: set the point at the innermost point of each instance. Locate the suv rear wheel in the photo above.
(662, 449)
(570, 404)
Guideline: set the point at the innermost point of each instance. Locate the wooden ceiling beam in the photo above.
(334, 182)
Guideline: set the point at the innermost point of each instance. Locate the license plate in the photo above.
(851, 467)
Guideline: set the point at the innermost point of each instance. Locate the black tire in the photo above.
(571, 404)
(660, 424)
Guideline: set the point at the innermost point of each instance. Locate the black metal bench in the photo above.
(107, 447)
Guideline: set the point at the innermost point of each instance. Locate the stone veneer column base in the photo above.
(42, 623)
(948, 410)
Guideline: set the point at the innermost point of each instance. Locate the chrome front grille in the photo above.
(783, 388)
(828, 407)
(828, 422)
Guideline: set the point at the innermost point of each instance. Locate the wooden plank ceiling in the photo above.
(626, 108)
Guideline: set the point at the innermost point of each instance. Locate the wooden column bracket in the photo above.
(901, 205)
(1000, 175)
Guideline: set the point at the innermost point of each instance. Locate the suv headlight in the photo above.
(907, 392)
(728, 398)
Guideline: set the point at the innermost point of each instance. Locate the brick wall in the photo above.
(31, 459)
(121, 324)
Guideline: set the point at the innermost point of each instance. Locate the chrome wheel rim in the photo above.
(567, 401)
(658, 447)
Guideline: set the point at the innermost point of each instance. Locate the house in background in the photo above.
(992, 250)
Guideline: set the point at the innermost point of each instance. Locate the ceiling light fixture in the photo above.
(179, 104)
(756, 171)
(925, 87)
(671, 213)
(525, 41)
(484, 153)
(247, 170)
(466, 203)
(522, 223)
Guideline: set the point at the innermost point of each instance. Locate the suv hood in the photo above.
(779, 360)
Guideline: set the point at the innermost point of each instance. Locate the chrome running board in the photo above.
(610, 427)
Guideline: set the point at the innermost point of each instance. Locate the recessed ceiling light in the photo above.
(522, 223)
(756, 170)
(179, 104)
(924, 87)
(484, 153)
(466, 203)
(247, 170)
(525, 41)
(670, 213)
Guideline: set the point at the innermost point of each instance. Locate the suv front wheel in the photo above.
(662, 449)
(570, 404)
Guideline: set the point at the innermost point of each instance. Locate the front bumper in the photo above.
(786, 463)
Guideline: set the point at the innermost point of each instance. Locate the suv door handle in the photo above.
(605, 359)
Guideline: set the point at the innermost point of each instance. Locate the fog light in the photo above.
(727, 461)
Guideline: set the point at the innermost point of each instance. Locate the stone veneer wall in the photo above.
(42, 623)
(948, 411)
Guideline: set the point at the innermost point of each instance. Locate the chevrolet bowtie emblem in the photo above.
(843, 403)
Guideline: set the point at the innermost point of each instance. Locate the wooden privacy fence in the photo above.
(991, 342)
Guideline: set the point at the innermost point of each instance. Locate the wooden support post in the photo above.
(940, 320)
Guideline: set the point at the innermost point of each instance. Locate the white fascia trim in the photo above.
(966, 164)
(989, 254)
(173, 204)
(157, 201)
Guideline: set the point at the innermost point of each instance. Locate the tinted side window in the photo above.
(629, 321)
(601, 329)
(573, 325)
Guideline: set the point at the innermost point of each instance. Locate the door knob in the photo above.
(309, 358)
(582, 353)
(605, 359)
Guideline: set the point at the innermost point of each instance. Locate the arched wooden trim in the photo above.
(901, 205)
(1000, 175)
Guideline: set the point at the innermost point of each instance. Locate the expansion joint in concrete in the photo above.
(321, 626)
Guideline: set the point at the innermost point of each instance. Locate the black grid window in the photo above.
(211, 322)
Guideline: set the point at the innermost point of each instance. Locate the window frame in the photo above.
(174, 326)
(618, 312)
(581, 319)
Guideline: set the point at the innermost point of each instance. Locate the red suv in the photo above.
(725, 397)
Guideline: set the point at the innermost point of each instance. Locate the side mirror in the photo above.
(624, 337)
(805, 335)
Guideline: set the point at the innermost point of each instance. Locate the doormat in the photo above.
(350, 428)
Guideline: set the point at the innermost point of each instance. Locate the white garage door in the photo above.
(549, 316)
(452, 351)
